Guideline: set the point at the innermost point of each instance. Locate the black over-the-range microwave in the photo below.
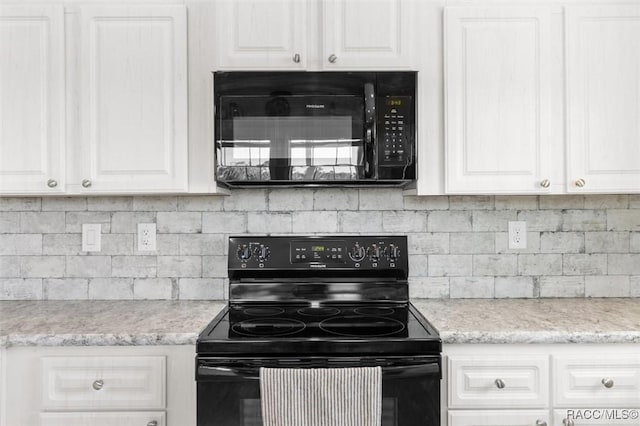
(315, 128)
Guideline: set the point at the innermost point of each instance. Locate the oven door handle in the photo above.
(408, 371)
(206, 371)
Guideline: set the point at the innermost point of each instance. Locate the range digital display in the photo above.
(317, 248)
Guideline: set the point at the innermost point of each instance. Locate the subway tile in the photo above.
(246, 200)
(541, 220)
(65, 289)
(160, 203)
(607, 242)
(502, 243)
(9, 222)
(339, 199)
(201, 289)
(418, 265)
(516, 202)
(472, 242)
(64, 204)
(615, 201)
(540, 264)
(42, 222)
(634, 284)
(562, 242)
(42, 266)
(404, 221)
(179, 222)
(495, 264)
(88, 266)
(214, 266)
(363, 221)
(450, 265)
(623, 264)
(20, 204)
(180, 266)
(21, 289)
(623, 220)
(471, 287)
(200, 203)
(224, 223)
(381, 199)
(448, 221)
(133, 266)
(471, 202)
(584, 220)
(68, 244)
(127, 222)
(491, 221)
(429, 287)
(75, 220)
(439, 202)
(272, 223)
(290, 199)
(20, 244)
(558, 286)
(152, 288)
(111, 288)
(584, 264)
(514, 287)
(561, 202)
(201, 244)
(10, 267)
(428, 243)
(315, 222)
(110, 204)
(607, 286)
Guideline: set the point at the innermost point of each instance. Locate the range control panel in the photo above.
(300, 252)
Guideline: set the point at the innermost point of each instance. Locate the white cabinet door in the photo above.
(133, 98)
(498, 418)
(261, 34)
(361, 34)
(499, 129)
(603, 104)
(32, 101)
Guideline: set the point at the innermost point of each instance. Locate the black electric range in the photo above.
(318, 302)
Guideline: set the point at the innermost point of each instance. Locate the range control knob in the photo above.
(393, 253)
(357, 252)
(244, 252)
(263, 253)
(374, 253)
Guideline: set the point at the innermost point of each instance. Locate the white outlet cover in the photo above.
(91, 237)
(517, 235)
(146, 237)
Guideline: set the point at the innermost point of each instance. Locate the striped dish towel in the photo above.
(321, 396)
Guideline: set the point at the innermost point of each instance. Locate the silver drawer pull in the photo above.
(541, 423)
(607, 382)
(86, 183)
(580, 183)
(545, 183)
(296, 58)
(499, 383)
(98, 384)
(153, 423)
(333, 58)
(52, 183)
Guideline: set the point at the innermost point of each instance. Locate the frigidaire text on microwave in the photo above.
(315, 128)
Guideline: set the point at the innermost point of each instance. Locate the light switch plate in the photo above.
(91, 237)
(146, 237)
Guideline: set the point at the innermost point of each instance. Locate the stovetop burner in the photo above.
(266, 311)
(319, 311)
(374, 310)
(359, 326)
(273, 327)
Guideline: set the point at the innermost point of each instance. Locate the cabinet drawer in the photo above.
(70, 383)
(104, 419)
(498, 382)
(604, 380)
(499, 418)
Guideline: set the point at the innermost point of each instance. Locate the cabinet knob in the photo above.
(52, 183)
(86, 183)
(568, 422)
(332, 58)
(541, 423)
(580, 183)
(153, 423)
(545, 183)
(296, 58)
(98, 384)
(607, 382)
(499, 383)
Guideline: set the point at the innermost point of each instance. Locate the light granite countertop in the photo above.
(99, 323)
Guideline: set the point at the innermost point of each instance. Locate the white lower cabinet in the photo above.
(104, 419)
(499, 418)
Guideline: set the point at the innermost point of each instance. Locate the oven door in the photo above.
(229, 389)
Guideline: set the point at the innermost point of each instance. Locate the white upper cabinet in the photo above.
(500, 131)
(32, 99)
(261, 34)
(367, 34)
(603, 98)
(133, 107)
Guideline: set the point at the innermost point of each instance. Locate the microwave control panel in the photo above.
(395, 130)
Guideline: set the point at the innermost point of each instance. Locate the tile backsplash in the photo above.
(578, 246)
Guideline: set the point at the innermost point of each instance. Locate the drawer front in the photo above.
(498, 382)
(70, 383)
(499, 418)
(604, 380)
(103, 419)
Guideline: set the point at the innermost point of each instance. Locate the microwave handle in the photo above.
(370, 127)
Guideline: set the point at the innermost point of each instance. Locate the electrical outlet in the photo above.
(517, 235)
(146, 237)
